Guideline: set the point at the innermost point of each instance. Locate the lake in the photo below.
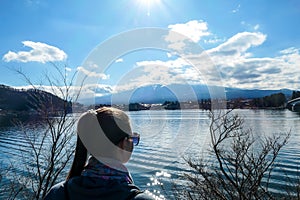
(169, 135)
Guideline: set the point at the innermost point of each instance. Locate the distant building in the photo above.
(138, 106)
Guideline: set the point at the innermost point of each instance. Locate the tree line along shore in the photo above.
(18, 102)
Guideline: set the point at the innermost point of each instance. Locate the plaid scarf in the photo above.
(96, 169)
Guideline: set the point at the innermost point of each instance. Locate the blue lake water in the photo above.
(169, 135)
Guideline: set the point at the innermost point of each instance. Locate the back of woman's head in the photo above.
(99, 132)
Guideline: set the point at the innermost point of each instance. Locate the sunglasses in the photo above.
(135, 138)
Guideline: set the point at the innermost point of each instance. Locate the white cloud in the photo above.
(256, 27)
(92, 73)
(237, 45)
(250, 27)
(239, 68)
(243, 41)
(232, 61)
(230, 64)
(213, 40)
(172, 64)
(40, 52)
(176, 71)
(169, 55)
(194, 30)
(290, 50)
(291, 59)
(119, 60)
(237, 9)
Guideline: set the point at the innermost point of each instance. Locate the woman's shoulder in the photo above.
(59, 192)
(142, 196)
(56, 192)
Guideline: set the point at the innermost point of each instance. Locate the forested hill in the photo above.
(31, 100)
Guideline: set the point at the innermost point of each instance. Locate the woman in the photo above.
(106, 134)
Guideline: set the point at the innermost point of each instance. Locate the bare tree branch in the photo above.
(240, 162)
(50, 150)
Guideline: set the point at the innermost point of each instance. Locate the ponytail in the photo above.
(79, 160)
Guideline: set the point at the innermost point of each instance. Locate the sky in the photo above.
(249, 44)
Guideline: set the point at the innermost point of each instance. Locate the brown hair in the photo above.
(79, 160)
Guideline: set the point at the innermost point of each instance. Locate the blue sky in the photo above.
(252, 43)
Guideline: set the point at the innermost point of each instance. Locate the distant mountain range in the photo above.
(25, 100)
(179, 92)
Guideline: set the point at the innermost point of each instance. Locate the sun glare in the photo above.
(148, 4)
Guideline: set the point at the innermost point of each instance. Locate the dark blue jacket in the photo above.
(81, 187)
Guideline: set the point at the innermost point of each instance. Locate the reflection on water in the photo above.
(155, 185)
(169, 136)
